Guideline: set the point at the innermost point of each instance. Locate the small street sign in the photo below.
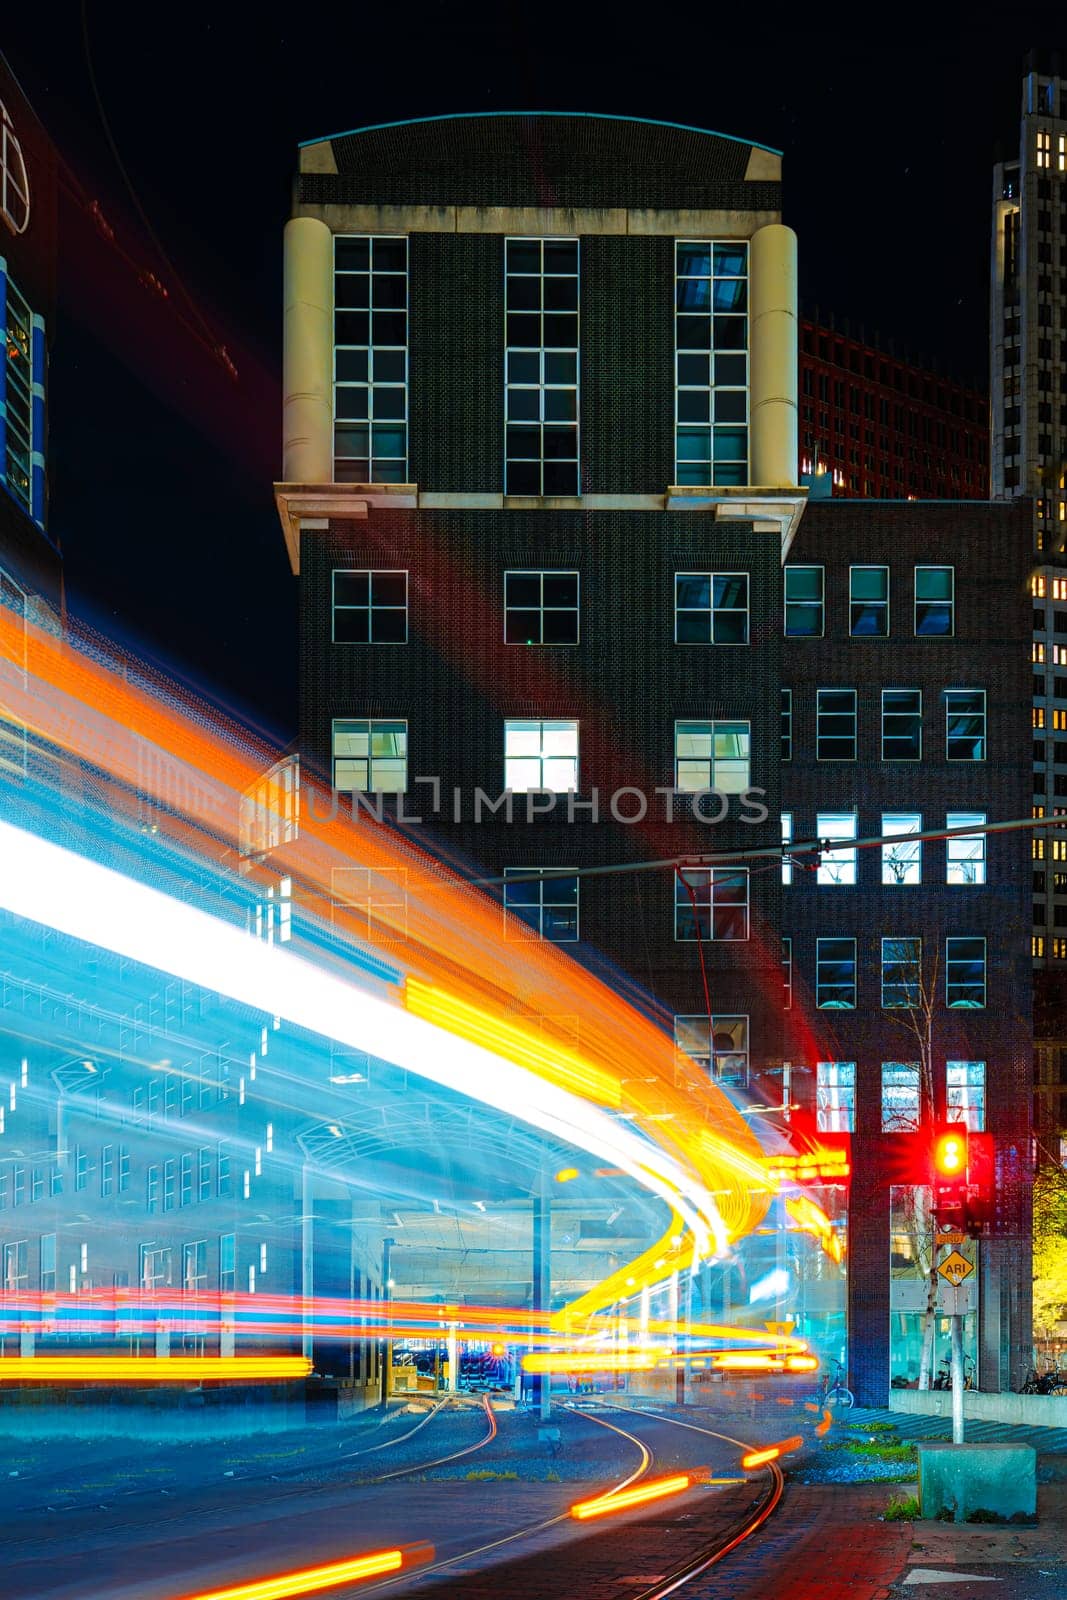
(955, 1268)
(951, 1238)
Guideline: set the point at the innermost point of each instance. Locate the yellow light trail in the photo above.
(311, 1579)
(603, 1505)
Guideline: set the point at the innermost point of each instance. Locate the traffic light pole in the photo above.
(956, 1368)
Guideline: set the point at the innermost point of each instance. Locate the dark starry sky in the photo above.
(162, 465)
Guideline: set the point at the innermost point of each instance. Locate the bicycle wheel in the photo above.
(840, 1398)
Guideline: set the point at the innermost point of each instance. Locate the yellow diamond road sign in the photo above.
(955, 1268)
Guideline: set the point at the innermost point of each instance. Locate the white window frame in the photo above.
(826, 960)
(900, 938)
(908, 1113)
(515, 727)
(787, 839)
(370, 573)
(372, 349)
(516, 926)
(785, 721)
(819, 604)
(838, 868)
(395, 725)
(955, 961)
(965, 1101)
(894, 689)
(905, 858)
(721, 1065)
(686, 469)
(935, 566)
(711, 730)
(543, 387)
(835, 1096)
(705, 896)
(787, 972)
(967, 849)
(711, 610)
(541, 573)
(969, 760)
(852, 601)
(820, 714)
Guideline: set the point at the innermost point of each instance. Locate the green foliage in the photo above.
(903, 1508)
(883, 1449)
(486, 1473)
(872, 1427)
(1050, 1249)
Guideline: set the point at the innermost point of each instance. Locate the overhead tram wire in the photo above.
(771, 852)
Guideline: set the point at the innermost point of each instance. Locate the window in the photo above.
(787, 839)
(541, 366)
(804, 618)
(900, 1096)
(152, 1189)
(124, 1168)
(787, 724)
(48, 1261)
(965, 856)
(835, 724)
(835, 974)
(370, 359)
(185, 1191)
(902, 861)
(24, 435)
(711, 903)
(965, 1093)
(901, 974)
(540, 755)
(107, 1171)
(965, 973)
(868, 598)
(935, 600)
(370, 755)
(787, 973)
(204, 1172)
(16, 1264)
(711, 755)
(711, 608)
(546, 906)
(541, 608)
(836, 867)
(370, 607)
(965, 724)
(902, 724)
(711, 351)
(155, 1266)
(194, 1265)
(720, 1047)
(170, 1175)
(1044, 148)
(227, 1260)
(835, 1096)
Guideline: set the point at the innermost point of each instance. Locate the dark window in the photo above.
(541, 607)
(370, 607)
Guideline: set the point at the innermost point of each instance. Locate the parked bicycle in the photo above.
(1051, 1382)
(943, 1379)
(835, 1395)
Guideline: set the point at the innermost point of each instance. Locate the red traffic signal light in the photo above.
(981, 1180)
(949, 1174)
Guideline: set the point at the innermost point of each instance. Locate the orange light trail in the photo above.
(760, 1458)
(625, 1362)
(313, 1579)
(603, 1505)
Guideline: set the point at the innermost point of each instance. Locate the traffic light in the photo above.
(949, 1176)
(981, 1181)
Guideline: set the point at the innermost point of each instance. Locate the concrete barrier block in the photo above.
(967, 1479)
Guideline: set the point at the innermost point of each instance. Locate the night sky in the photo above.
(162, 465)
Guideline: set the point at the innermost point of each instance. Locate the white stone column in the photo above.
(307, 353)
(773, 356)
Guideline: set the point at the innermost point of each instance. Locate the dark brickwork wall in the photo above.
(626, 683)
(987, 546)
(31, 559)
(457, 362)
(540, 161)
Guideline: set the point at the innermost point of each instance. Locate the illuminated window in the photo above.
(1037, 586)
(965, 724)
(835, 974)
(786, 719)
(711, 903)
(1059, 849)
(804, 602)
(1059, 721)
(1059, 588)
(541, 608)
(370, 359)
(965, 856)
(965, 1093)
(902, 861)
(370, 606)
(900, 1096)
(718, 1044)
(1059, 949)
(540, 755)
(835, 724)
(711, 352)
(24, 438)
(541, 366)
(1044, 148)
(1037, 945)
(902, 724)
(935, 600)
(787, 973)
(787, 838)
(370, 755)
(837, 867)
(868, 599)
(901, 973)
(540, 908)
(1037, 716)
(711, 608)
(1061, 152)
(712, 755)
(1037, 651)
(835, 1096)
(965, 973)
(1037, 848)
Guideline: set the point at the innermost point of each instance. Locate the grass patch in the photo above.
(486, 1474)
(553, 1477)
(882, 1449)
(872, 1427)
(904, 1508)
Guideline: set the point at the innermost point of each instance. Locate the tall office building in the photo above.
(539, 487)
(1028, 377)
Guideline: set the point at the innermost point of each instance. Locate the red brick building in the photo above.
(884, 428)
